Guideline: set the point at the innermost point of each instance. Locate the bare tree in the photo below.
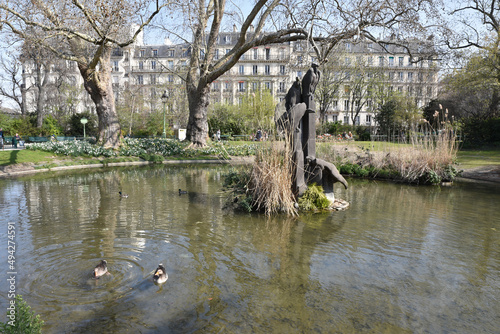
(322, 23)
(476, 25)
(85, 32)
(11, 77)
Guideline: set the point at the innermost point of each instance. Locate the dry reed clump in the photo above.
(271, 179)
(426, 158)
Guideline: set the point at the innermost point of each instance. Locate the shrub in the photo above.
(313, 199)
(25, 320)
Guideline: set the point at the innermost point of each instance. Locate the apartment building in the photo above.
(152, 69)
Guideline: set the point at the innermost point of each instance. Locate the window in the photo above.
(335, 105)
(255, 53)
(370, 60)
(420, 76)
(170, 64)
(153, 79)
(241, 86)
(400, 76)
(282, 69)
(268, 53)
(368, 119)
(346, 119)
(126, 56)
(335, 118)
(410, 61)
(227, 86)
(401, 61)
(381, 61)
(140, 80)
(282, 87)
(282, 54)
(216, 54)
(242, 69)
(115, 66)
(155, 53)
(142, 53)
(346, 105)
(141, 65)
(267, 85)
(391, 76)
(410, 76)
(153, 65)
(170, 53)
(348, 46)
(255, 86)
(255, 69)
(357, 120)
(267, 70)
(391, 61)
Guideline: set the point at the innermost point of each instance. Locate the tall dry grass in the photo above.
(271, 178)
(422, 156)
(426, 155)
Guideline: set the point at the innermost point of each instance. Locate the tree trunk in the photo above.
(197, 129)
(98, 84)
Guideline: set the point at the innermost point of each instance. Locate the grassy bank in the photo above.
(478, 158)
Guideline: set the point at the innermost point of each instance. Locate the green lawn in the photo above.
(476, 158)
(10, 157)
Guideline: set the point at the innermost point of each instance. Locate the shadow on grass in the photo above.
(13, 156)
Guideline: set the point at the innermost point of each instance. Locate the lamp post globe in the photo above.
(164, 99)
(84, 121)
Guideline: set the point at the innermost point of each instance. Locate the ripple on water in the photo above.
(63, 275)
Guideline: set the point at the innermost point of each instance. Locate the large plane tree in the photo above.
(323, 23)
(84, 31)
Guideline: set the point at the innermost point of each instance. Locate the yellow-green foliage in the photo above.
(24, 321)
(313, 199)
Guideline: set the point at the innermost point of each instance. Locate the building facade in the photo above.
(150, 70)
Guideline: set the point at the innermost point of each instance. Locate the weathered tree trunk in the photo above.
(197, 130)
(98, 85)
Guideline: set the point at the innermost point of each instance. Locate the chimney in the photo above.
(234, 28)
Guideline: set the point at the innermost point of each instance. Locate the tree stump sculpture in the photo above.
(299, 122)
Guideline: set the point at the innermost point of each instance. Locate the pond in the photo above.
(401, 259)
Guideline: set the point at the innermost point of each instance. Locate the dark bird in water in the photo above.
(160, 276)
(101, 269)
(182, 192)
(122, 194)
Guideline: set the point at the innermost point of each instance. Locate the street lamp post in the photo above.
(83, 121)
(164, 99)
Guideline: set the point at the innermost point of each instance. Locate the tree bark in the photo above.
(197, 130)
(97, 83)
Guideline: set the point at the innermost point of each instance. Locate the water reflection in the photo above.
(401, 259)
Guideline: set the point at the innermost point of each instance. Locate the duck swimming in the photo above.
(182, 192)
(123, 195)
(160, 276)
(101, 269)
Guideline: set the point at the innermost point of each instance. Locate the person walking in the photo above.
(1, 139)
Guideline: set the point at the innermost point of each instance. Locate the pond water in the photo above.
(401, 259)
